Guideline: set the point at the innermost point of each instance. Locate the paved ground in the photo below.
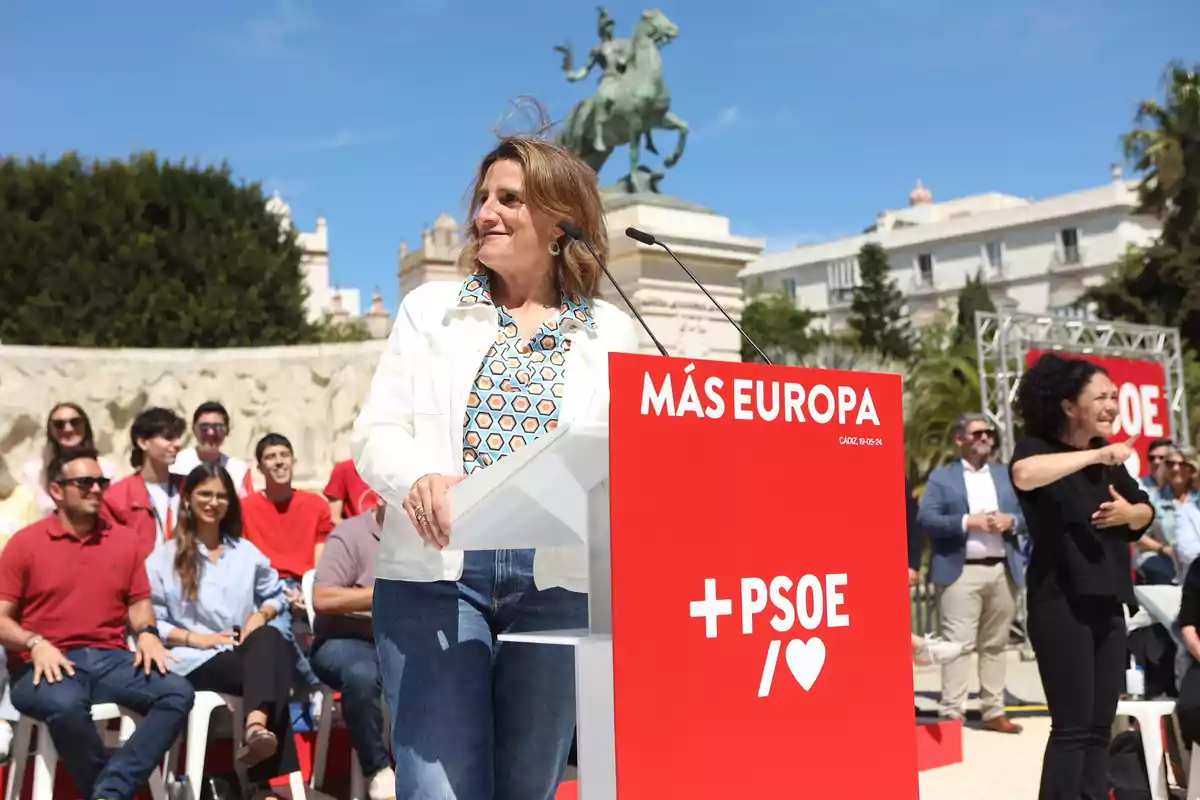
(995, 766)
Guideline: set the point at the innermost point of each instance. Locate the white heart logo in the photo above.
(806, 660)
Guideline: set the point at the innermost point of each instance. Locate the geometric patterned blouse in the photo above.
(518, 391)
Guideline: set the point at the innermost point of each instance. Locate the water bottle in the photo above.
(1135, 680)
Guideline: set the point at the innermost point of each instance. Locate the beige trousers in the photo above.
(978, 608)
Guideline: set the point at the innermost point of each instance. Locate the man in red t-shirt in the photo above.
(290, 527)
(71, 586)
(348, 494)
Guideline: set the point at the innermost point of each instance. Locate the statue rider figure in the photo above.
(612, 57)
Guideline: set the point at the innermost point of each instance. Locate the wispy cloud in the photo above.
(729, 116)
(273, 34)
(340, 140)
(288, 188)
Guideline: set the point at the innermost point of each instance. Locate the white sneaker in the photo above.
(382, 785)
(6, 737)
(940, 651)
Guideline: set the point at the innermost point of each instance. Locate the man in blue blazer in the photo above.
(970, 513)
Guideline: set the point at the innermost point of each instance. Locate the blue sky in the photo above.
(807, 118)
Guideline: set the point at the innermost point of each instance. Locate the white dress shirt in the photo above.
(411, 424)
(981, 498)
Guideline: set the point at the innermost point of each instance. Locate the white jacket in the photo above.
(412, 422)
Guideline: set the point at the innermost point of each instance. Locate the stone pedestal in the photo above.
(677, 311)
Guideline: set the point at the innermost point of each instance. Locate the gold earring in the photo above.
(554, 249)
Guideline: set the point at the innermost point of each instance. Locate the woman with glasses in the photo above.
(67, 428)
(1178, 515)
(214, 593)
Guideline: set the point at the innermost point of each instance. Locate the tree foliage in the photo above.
(143, 253)
(942, 383)
(782, 330)
(1160, 284)
(973, 297)
(877, 307)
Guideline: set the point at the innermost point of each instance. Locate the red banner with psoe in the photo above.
(759, 592)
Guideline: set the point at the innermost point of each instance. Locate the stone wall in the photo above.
(311, 394)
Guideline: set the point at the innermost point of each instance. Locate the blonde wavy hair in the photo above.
(561, 186)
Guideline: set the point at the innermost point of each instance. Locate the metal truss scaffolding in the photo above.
(1005, 338)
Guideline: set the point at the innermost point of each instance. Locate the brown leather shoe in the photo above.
(1001, 725)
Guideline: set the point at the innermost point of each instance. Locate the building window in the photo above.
(789, 287)
(843, 277)
(1069, 240)
(1074, 311)
(994, 254)
(925, 269)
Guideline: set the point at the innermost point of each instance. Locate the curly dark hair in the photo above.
(1044, 386)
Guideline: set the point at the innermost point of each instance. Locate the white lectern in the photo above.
(553, 493)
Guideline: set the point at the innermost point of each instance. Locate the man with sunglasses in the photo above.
(971, 514)
(210, 426)
(72, 588)
(1156, 476)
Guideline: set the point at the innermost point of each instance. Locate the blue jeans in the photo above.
(474, 719)
(283, 621)
(106, 676)
(351, 667)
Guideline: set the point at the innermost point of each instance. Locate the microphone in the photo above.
(575, 233)
(646, 238)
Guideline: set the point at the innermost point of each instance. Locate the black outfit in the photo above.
(1078, 578)
(1188, 705)
(259, 670)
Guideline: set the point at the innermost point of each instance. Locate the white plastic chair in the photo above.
(198, 724)
(358, 784)
(45, 757)
(1149, 715)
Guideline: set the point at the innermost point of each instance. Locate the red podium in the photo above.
(749, 630)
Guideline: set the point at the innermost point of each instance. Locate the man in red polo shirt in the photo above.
(290, 527)
(71, 587)
(348, 494)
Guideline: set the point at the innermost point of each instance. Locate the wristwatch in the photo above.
(150, 629)
(34, 641)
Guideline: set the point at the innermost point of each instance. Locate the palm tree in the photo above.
(942, 384)
(1165, 145)
(839, 355)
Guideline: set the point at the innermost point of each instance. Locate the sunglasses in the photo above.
(70, 422)
(85, 483)
(212, 427)
(1156, 458)
(1174, 464)
(984, 434)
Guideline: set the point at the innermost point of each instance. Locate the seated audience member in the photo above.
(1187, 707)
(343, 652)
(348, 494)
(71, 586)
(206, 582)
(289, 526)
(148, 500)
(67, 427)
(210, 426)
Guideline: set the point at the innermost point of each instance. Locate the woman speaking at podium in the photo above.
(1083, 510)
(472, 372)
